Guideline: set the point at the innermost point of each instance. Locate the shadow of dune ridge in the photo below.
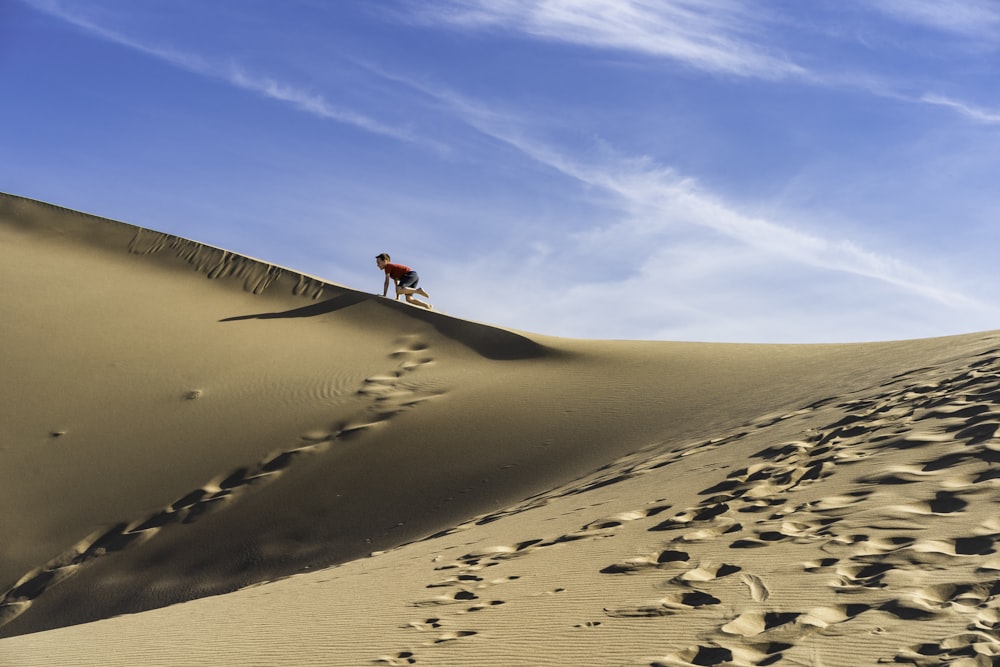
(490, 342)
(339, 302)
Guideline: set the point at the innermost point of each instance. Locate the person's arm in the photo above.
(385, 286)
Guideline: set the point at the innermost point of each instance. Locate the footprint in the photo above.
(452, 636)
(463, 595)
(944, 502)
(703, 656)
(823, 617)
(758, 591)
(819, 565)
(907, 611)
(753, 623)
(669, 558)
(853, 576)
(401, 658)
(451, 581)
(707, 573)
(31, 587)
(668, 606)
(425, 625)
(12, 609)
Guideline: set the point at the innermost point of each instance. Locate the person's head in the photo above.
(382, 259)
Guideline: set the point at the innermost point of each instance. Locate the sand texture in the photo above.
(206, 459)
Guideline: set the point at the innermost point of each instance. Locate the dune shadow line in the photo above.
(338, 302)
(490, 342)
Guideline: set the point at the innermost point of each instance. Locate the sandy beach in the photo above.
(206, 459)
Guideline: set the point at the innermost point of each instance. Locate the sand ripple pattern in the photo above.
(945, 427)
(389, 394)
(902, 544)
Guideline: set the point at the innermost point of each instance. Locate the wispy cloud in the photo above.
(711, 36)
(314, 104)
(656, 200)
(239, 77)
(969, 18)
(721, 36)
(970, 111)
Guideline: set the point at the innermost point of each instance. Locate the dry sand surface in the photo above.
(209, 460)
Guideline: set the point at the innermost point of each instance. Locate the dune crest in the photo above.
(445, 492)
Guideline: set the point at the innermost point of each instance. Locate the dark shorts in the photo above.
(409, 279)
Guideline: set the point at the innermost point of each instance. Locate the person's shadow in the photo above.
(338, 302)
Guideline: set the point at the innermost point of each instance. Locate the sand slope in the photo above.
(180, 422)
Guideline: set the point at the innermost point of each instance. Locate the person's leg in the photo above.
(412, 290)
(405, 291)
(407, 286)
(410, 285)
(417, 302)
(408, 292)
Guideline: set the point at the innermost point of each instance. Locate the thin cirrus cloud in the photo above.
(317, 105)
(655, 200)
(970, 18)
(716, 37)
(711, 36)
(239, 77)
(968, 110)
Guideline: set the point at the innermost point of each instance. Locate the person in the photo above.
(404, 277)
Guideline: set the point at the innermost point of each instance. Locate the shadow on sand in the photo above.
(338, 302)
(490, 342)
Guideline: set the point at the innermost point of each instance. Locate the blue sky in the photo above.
(712, 170)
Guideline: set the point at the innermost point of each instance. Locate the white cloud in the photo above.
(680, 262)
(710, 35)
(970, 111)
(312, 103)
(178, 59)
(662, 200)
(716, 36)
(970, 18)
(239, 77)
(656, 200)
(688, 287)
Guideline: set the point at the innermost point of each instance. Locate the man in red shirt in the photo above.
(406, 280)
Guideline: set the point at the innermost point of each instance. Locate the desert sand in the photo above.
(206, 459)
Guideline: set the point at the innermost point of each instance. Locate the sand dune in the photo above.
(207, 459)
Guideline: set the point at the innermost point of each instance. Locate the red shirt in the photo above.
(396, 271)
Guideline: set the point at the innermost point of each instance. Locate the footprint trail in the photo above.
(388, 394)
(886, 494)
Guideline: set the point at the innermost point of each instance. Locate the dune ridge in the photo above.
(267, 468)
